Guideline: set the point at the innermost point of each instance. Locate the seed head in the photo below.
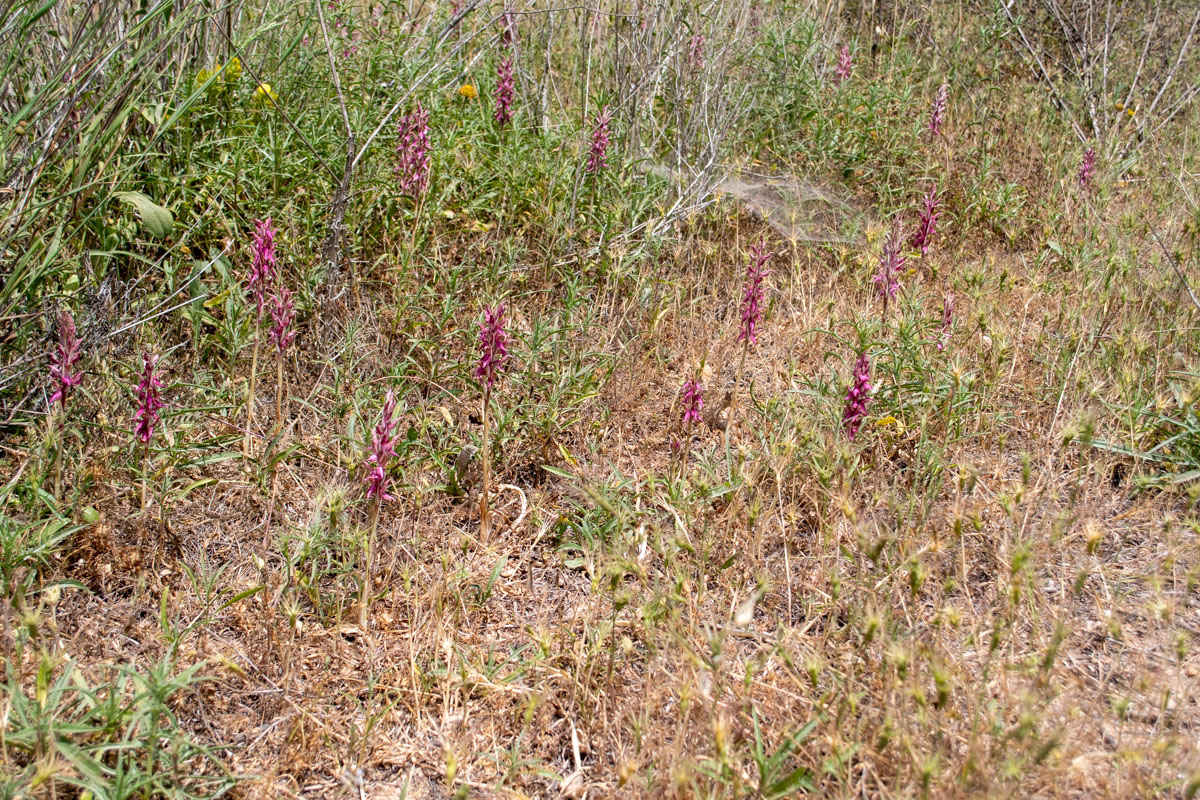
(383, 449)
(923, 237)
(596, 158)
(752, 298)
(63, 360)
(264, 265)
(493, 343)
(857, 397)
(148, 401)
(505, 91)
(412, 151)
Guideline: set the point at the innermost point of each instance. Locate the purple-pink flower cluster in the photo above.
(264, 264)
(148, 400)
(693, 400)
(752, 298)
(596, 158)
(412, 151)
(505, 91)
(283, 311)
(493, 342)
(696, 51)
(947, 321)
(1087, 168)
(843, 67)
(938, 113)
(508, 28)
(63, 360)
(857, 397)
(891, 261)
(927, 226)
(383, 449)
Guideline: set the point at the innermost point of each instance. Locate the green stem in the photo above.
(483, 495)
(250, 389)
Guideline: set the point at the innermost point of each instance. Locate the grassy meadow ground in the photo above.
(990, 591)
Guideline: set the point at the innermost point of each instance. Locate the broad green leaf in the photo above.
(156, 220)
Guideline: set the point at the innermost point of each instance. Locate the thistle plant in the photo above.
(596, 157)
(493, 358)
(412, 152)
(891, 261)
(937, 114)
(505, 91)
(382, 451)
(146, 416)
(62, 363)
(844, 65)
(259, 282)
(1087, 168)
(927, 226)
(283, 312)
(752, 309)
(857, 397)
(947, 321)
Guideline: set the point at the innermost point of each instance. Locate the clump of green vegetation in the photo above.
(915, 516)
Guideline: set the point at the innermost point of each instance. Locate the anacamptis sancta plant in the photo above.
(62, 365)
(493, 360)
(260, 282)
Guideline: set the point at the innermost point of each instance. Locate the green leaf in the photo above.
(798, 778)
(156, 220)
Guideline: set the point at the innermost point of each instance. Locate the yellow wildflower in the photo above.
(202, 77)
(233, 70)
(468, 91)
(264, 91)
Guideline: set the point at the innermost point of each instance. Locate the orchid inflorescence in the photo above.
(891, 261)
(505, 91)
(843, 67)
(508, 28)
(493, 342)
(947, 321)
(923, 237)
(696, 51)
(148, 400)
(596, 157)
(1087, 168)
(264, 265)
(383, 449)
(412, 168)
(692, 400)
(752, 299)
(63, 361)
(283, 311)
(938, 113)
(857, 397)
